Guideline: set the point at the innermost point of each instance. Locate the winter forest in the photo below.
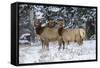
(30, 46)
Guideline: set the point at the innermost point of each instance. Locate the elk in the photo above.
(71, 35)
(48, 33)
(55, 32)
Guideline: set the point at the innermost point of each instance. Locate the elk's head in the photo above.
(59, 24)
(37, 23)
(51, 23)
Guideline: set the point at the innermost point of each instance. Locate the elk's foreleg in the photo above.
(43, 45)
(46, 44)
(63, 44)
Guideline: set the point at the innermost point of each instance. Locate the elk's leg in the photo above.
(63, 44)
(59, 45)
(68, 42)
(43, 45)
(75, 40)
(80, 42)
(46, 44)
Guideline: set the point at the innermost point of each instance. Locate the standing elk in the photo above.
(55, 32)
(48, 33)
(71, 35)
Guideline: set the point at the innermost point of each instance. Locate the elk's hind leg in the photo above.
(80, 42)
(59, 42)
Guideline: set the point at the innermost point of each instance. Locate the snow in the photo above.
(24, 35)
(93, 37)
(23, 41)
(38, 7)
(54, 9)
(23, 38)
(44, 24)
(33, 52)
(39, 15)
(72, 52)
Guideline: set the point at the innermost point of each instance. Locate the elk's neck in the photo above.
(39, 30)
(60, 31)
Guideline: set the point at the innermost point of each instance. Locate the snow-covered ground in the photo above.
(72, 52)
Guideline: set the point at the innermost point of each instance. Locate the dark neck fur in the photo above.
(39, 30)
(60, 31)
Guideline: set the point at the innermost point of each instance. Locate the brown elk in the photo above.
(56, 32)
(71, 35)
(48, 33)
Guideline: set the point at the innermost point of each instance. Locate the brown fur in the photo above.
(39, 30)
(52, 32)
(47, 34)
(60, 26)
(60, 31)
(83, 34)
(72, 35)
(51, 24)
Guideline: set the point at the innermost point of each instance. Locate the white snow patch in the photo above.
(39, 15)
(54, 9)
(24, 35)
(23, 41)
(72, 52)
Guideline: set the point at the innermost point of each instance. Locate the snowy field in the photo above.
(72, 52)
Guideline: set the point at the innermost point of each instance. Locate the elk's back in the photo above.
(70, 34)
(50, 34)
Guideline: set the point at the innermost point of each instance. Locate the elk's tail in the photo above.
(82, 33)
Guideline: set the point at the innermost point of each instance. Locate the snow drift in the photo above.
(35, 54)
